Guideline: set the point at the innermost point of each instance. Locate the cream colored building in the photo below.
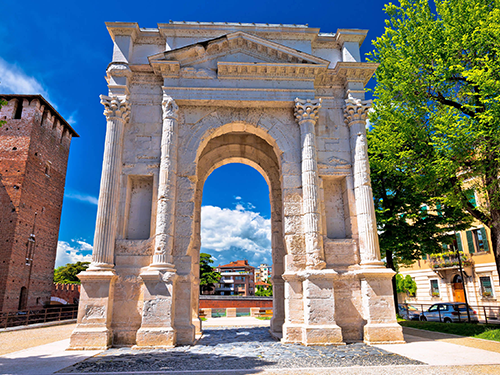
(438, 277)
(185, 98)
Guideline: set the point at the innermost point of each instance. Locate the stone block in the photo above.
(231, 312)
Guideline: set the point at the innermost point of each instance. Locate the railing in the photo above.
(485, 314)
(49, 314)
(450, 260)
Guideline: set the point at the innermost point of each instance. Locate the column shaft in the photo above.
(355, 114)
(306, 113)
(117, 112)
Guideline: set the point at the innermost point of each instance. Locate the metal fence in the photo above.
(49, 314)
(485, 314)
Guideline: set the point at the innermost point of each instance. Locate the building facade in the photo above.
(263, 273)
(237, 278)
(34, 149)
(187, 97)
(438, 276)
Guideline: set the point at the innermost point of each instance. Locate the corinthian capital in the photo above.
(307, 109)
(356, 110)
(116, 107)
(170, 108)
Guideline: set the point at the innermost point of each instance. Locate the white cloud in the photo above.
(235, 234)
(13, 80)
(238, 198)
(76, 251)
(81, 197)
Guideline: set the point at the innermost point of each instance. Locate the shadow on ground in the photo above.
(240, 348)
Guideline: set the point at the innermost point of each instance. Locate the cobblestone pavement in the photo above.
(250, 348)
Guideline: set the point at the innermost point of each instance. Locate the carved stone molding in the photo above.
(307, 109)
(116, 107)
(356, 110)
(170, 108)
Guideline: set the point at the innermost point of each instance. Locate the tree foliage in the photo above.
(438, 84)
(264, 291)
(208, 276)
(406, 285)
(67, 274)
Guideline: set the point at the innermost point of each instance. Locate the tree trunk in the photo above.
(390, 264)
(495, 242)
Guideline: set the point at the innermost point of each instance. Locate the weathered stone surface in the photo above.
(174, 117)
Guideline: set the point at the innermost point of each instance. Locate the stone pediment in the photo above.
(236, 55)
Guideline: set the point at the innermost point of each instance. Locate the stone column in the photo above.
(355, 114)
(117, 111)
(376, 288)
(164, 240)
(306, 114)
(93, 330)
(160, 278)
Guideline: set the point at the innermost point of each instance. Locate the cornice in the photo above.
(347, 71)
(294, 72)
(123, 29)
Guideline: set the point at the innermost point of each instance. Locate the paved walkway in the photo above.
(232, 349)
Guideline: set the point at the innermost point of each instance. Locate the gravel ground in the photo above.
(14, 341)
(250, 348)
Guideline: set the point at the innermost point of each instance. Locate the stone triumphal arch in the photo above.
(186, 98)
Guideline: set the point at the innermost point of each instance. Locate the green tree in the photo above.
(67, 274)
(208, 276)
(263, 291)
(406, 285)
(439, 80)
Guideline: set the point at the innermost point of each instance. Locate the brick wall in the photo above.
(223, 302)
(33, 161)
(70, 293)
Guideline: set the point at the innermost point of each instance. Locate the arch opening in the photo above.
(258, 153)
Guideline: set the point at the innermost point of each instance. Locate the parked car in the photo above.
(449, 312)
(408, 312)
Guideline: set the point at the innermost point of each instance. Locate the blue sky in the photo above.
(61, 49)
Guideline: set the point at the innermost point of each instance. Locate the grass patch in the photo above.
(480, 331)
(264, 317)
(202, 318)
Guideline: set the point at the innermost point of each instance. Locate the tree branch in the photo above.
(441, 99)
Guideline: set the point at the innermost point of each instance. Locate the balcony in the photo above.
(449, 261)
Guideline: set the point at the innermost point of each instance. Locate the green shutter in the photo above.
(485, 239)
(459, 242)
(470, 241)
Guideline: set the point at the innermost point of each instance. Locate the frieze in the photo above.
(135, 247)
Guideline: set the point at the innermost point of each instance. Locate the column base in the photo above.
(186, 335)
(322, 335)
(197, 326)
(95, 338)
(155, 337)
(391, 333)
(292, 333)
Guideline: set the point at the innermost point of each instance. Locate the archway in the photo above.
(252, 150)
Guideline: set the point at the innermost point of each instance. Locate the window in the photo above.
(434, 288)
(477, 240)
(471, 197)
(486, 289)
(19, 109)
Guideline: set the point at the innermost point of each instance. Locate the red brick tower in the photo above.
(34, 149)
